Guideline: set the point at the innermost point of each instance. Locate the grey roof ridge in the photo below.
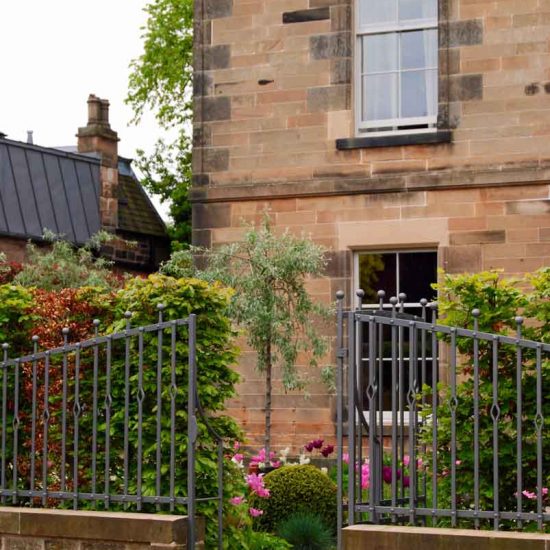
(51, 150)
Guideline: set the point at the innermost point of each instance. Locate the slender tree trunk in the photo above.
(268, 390)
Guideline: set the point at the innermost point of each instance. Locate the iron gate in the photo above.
(407, 409)
(94, 424)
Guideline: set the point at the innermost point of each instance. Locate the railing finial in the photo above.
(360, 293)
(160, 309)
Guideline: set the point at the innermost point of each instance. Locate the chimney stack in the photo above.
(98, 137)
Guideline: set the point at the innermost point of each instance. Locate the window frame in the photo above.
(386, 413)
(389, 127)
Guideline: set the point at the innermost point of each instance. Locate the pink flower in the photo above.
(328, 450)
(276, 463)
(419, 463)
(529, 495)
(345, 458)
(236, 500)
(236, 446)
(238, 458)
(406, 461)
(458, 462)
(256, 485)
(545, 491)
(365, 476)
(254, 512)
(260, 457)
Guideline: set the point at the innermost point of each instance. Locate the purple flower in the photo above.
(328, 450)
(317, 443)
(386, 474)
(406, 481)
(309, 447)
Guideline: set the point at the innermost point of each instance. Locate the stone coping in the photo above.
(90, 525)
(385, 537)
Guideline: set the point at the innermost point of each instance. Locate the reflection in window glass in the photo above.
(417, 9)
(378, 11)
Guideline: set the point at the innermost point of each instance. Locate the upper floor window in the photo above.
(396, 66)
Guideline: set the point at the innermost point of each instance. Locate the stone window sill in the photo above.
(441, 136)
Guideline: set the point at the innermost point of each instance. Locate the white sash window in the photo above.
(396, 66)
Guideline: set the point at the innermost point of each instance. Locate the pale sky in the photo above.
(54, 54)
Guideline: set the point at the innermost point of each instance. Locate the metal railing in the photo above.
(97, 424)
(433, 413)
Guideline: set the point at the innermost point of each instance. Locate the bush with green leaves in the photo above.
(306, 531)
(499, 301)
(296, 489)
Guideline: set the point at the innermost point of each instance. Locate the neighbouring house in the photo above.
(77, 191)
(404, 135)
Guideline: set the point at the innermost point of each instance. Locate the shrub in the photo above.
(306, 531)
(296, 489)
(499, 301)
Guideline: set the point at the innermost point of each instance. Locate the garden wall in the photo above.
(37, 529)
(378, 537)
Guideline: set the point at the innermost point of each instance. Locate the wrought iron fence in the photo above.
(96, 424)
(445, 425)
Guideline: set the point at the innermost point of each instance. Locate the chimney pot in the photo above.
(105, 113)
(94, 110)
(30, 140)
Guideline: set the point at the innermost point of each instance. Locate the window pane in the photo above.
(417, 271)
(419, 49)
(418, 93)
(380, 96)
(377, 11)
(380, 53)
(417, 9)
(377, 272)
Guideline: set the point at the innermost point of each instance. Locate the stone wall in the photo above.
(274, 129)
(402, 538)
(38, 529)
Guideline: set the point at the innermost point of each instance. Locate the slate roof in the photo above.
(43, 188)
(58, 189)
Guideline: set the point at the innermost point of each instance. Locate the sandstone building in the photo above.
(404, 135)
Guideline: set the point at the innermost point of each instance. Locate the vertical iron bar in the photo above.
(339, 416)
(76, 411)
(160, 308)
(453, 406)
(359, 392)
(191, 431)
(519, 423)
(65, 333)
(539, 424)
(372, 397)
(126, 465)
(34, 412)
(413, 335)
(140, 398)
(495, 413)
(475, 314)
(173, 392)
(46, 417)
(402, 297)
(435, 403)
(95, 409)
(423, 379)
(4, 418)
(220, 494)
(394, 397)
(375, 469)
(108, 404)
(16, 431)
(351, 418)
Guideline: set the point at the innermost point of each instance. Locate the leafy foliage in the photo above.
(296, 489)
(271, 302)
(499, 301)
(161, 81)
(306, 531)
(61, 265)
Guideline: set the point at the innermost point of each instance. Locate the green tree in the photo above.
(271, 302)
(161, 82)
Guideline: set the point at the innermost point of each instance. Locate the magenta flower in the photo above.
(276, 463)
(309, 447)
(317, 443)
(365, 476)
(259, 458)
(529, 495)
(327, 451)
(256, 485)
(386, 474)
(254, 512)
(236, 500)
(406, 481)
(238, 458)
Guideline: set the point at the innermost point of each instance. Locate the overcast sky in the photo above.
(54, 54)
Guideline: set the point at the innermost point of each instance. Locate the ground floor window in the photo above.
(412, 273)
